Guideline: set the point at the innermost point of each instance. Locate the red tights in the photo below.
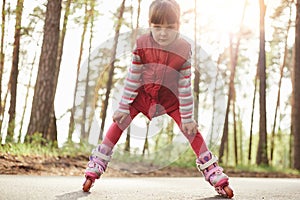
(116, 129)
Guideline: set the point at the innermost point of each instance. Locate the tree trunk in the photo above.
(262, 154)
(52, 134)
(135, 31)
(72, 119)
(85, 118)
(279, 85)
(252, 116)
(43, 98)
(111, 68)
(235, 131)
(214, 109)
(26, 98)
(127, 141)
(234, 50)
(224, 139)
(2, 55)
(241, 138)
(13, 82)
(230, 95)
(197, 68)
(146, 144)
(296, 92)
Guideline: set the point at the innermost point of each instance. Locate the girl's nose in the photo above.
(163, 31)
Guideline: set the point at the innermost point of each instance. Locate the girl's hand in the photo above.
(190, 128)
(119, 117)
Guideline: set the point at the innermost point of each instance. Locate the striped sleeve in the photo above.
(186, 103)
(132, 83)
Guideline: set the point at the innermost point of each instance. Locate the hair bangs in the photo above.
(164, 13)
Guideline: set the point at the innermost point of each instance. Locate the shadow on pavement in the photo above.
(217, 197)
(72, 195)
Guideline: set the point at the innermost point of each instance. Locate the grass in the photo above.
(266, 169)
(35, 148)
(186, 159)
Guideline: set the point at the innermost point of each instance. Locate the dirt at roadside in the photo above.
(68, 166)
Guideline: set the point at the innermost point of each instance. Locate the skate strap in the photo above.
(212, 171)
(213, 160)
(101, 155)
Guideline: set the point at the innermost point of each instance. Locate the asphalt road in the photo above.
(69, 188)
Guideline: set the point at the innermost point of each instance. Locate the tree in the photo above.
(3, 14)
(84, 133)
(83, 35)
(13, 82)
(111, 67)
(296, 92)
(146, 143)
(262, 154)
(43, 98)
(214, 100)
(197, 68)
(30, 79)
(231, 96)
(252, 116)
(53, 133)
(284, 40)
(234, 50)
(135, 31)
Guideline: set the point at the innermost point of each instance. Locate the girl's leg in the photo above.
(116, 129)
(206, 162)
(101, 155)
(197, 142)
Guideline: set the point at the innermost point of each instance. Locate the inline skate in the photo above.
(97, 165)
(213, 173)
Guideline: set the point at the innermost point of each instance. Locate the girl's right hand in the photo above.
(119, 117)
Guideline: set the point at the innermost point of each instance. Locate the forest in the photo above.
(63, 64)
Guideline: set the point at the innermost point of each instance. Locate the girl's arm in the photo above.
(186, 104)
(132, 83)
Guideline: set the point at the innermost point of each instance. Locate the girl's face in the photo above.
(164, 34)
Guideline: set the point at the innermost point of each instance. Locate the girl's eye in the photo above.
(171, 27)
(157, 27)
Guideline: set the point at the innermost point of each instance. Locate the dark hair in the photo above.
(161, 11)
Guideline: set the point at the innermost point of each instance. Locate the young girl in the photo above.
(159, 82)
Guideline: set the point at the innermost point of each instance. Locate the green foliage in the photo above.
(37, 146)
(40, 146)
(266, 169)
(186, 160)
(10, 132)
(74, 149)
(175, 154)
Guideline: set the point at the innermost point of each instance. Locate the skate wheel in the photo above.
(228, 191)
(87, 185)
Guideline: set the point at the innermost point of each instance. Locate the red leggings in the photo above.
(116, 129)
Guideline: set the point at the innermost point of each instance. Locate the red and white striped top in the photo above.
(182, 80)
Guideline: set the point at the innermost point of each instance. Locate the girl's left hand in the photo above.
(119, 117)
(190, 128)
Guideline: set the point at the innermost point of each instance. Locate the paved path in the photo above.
(69, 188)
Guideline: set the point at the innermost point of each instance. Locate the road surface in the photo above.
(69, 188)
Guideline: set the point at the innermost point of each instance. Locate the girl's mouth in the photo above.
(163, 40)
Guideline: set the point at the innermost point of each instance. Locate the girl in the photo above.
(159, 82)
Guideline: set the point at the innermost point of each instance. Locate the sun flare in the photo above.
(224, 16)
